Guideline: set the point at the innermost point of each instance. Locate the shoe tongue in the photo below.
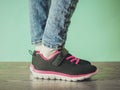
(60, 57)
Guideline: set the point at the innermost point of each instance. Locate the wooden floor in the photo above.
(16, 76)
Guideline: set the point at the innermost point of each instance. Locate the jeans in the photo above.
(49, 21)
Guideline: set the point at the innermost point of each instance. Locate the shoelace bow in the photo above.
(73, 59)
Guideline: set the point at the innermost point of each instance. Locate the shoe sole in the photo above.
(59, 76)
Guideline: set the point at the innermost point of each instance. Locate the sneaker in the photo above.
(62, 65)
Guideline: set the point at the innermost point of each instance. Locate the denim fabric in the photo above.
(50, 20)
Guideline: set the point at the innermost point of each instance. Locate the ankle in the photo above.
(38, 46)
(48, 57)
(45, 52)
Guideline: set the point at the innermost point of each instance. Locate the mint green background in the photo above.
(94, 33)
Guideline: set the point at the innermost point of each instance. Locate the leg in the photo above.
(38, 16)
(49, 63)
(57, 23)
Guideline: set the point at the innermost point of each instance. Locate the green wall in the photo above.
(94, 33)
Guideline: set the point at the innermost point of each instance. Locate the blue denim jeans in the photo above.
(50, 20)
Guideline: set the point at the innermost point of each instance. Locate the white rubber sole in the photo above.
(59, 76)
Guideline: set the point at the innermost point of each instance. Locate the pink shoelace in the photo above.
(73, 59)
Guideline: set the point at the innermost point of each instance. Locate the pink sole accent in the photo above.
(61, 74)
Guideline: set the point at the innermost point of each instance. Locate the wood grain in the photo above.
(16, 76)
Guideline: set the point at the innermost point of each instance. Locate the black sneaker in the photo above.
(62, 66)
